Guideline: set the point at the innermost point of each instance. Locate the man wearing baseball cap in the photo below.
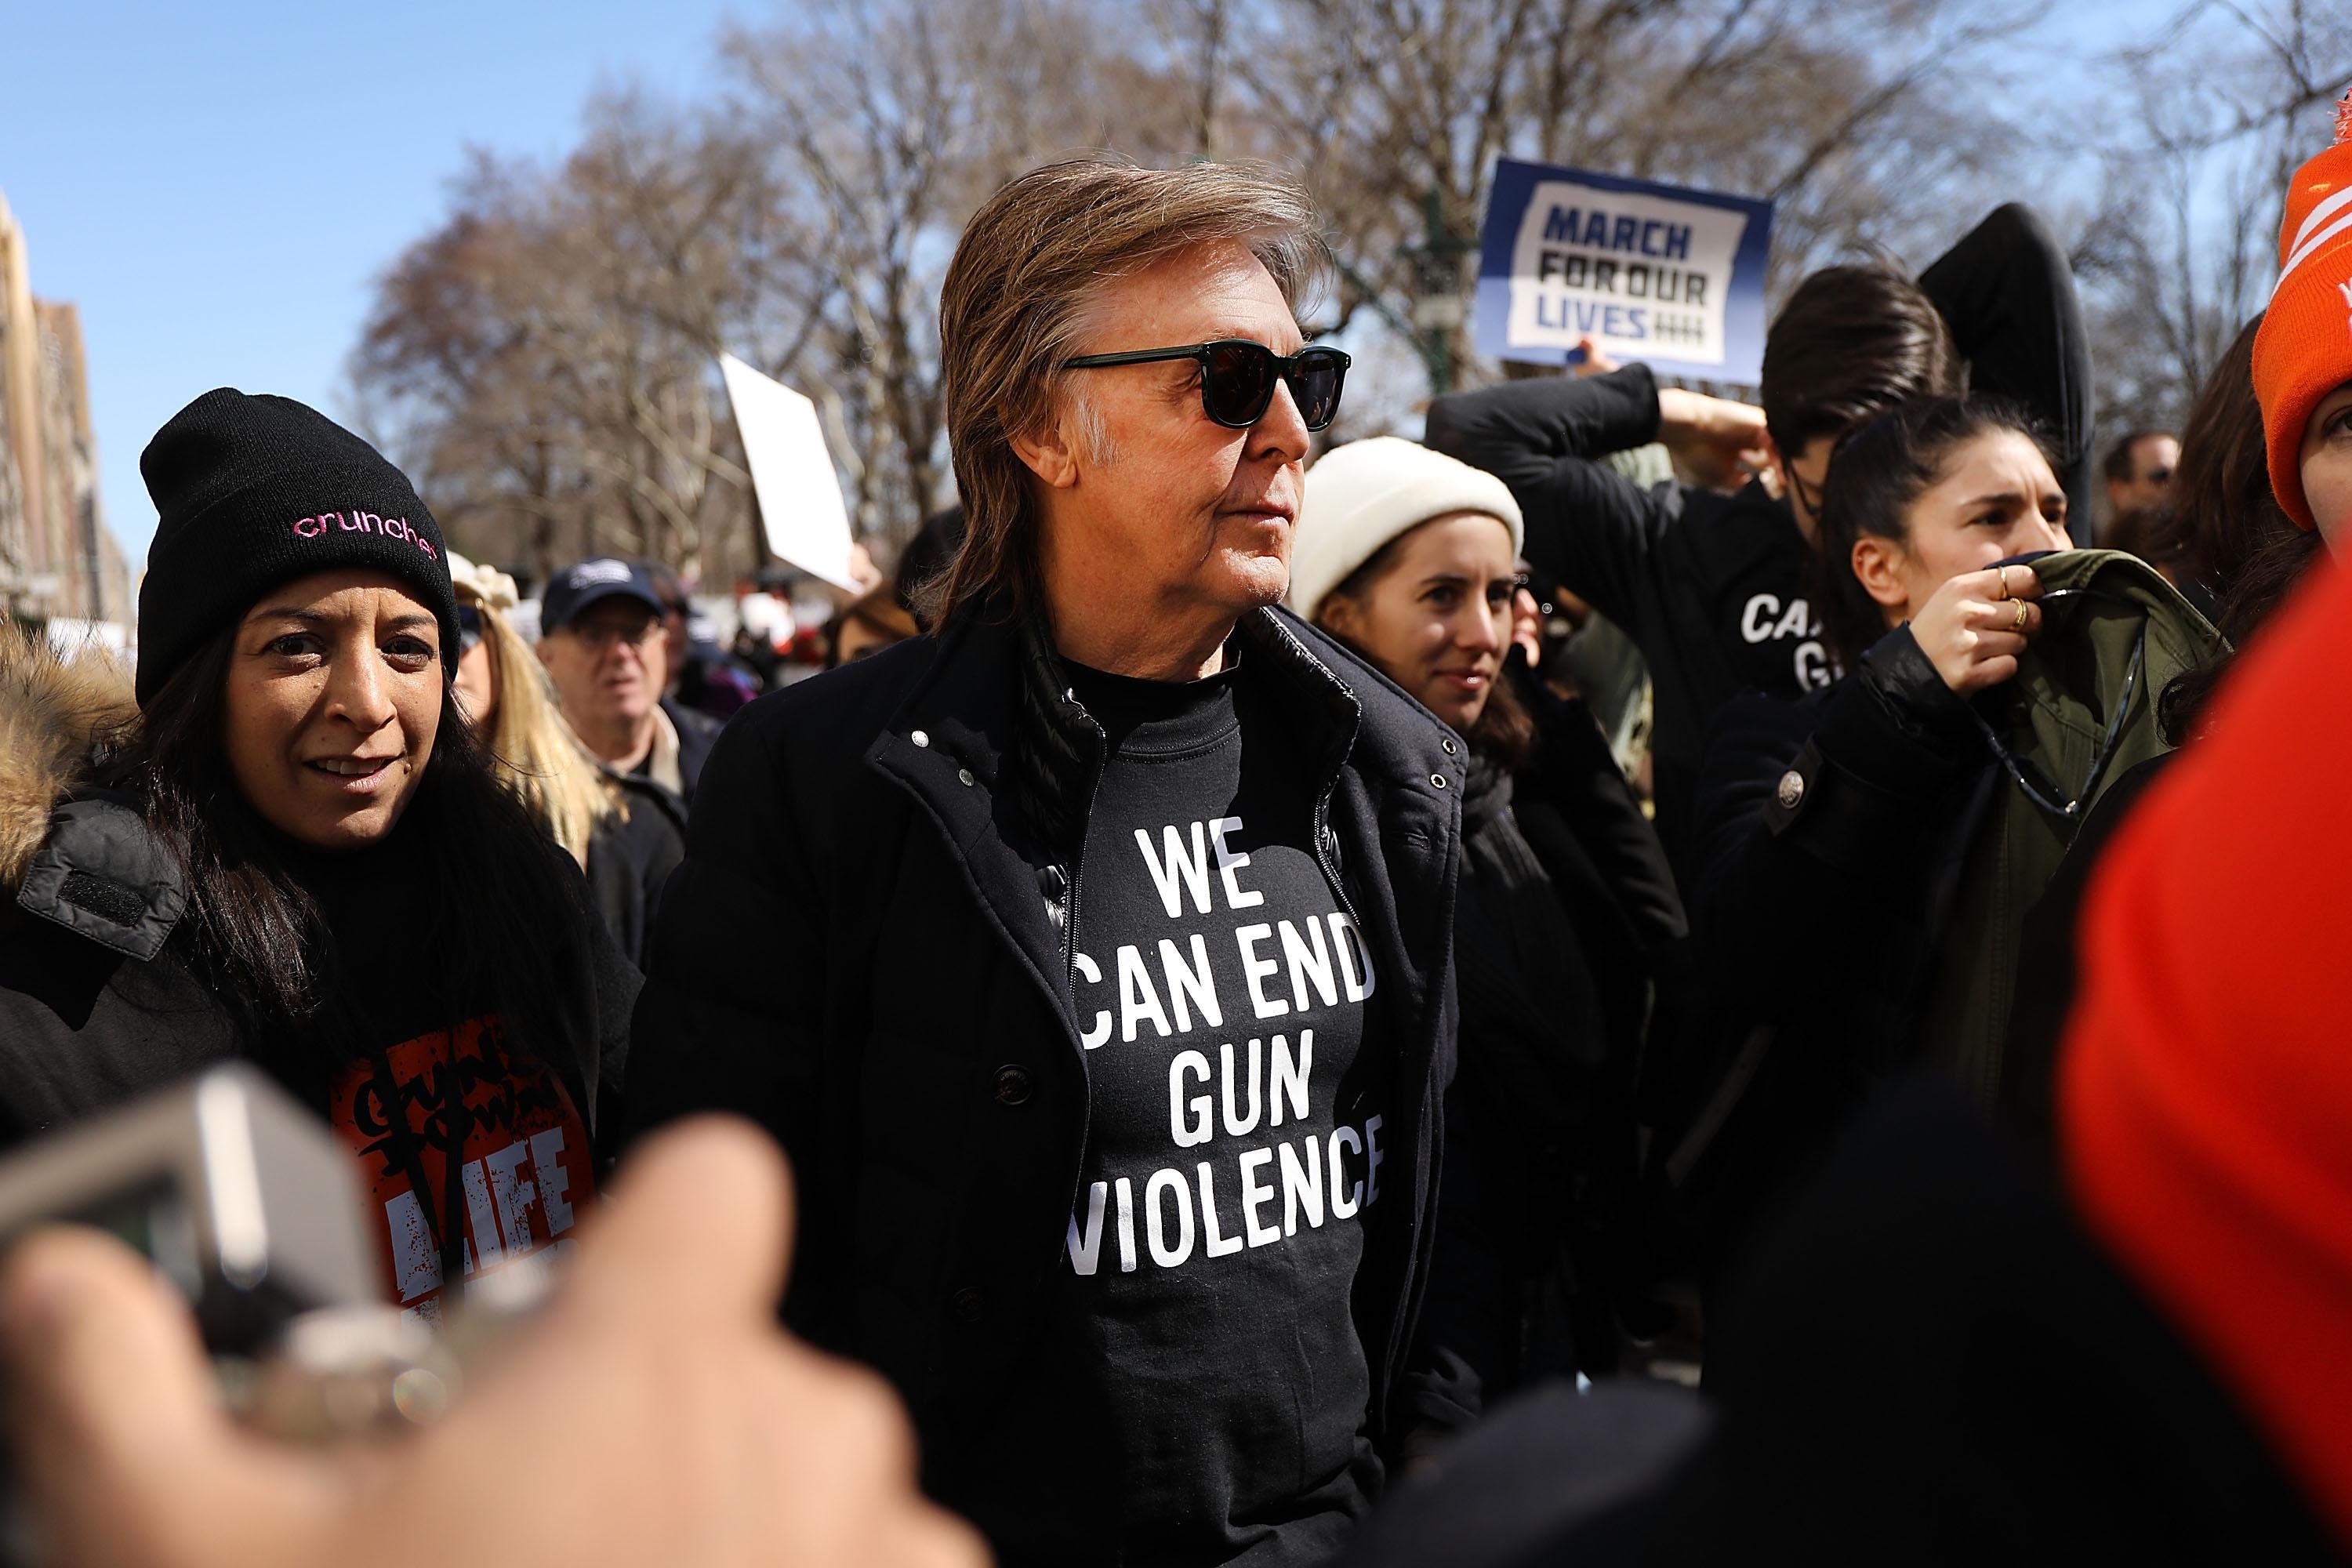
(604, 641)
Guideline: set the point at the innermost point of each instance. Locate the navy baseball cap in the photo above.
(570, 591)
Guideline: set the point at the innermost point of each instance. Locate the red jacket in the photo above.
(2206, 1091)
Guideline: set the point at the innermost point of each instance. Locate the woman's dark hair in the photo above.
(2223, 527)
(1875, 476)
(2221, 511)
(1505, 733)
(259, 941)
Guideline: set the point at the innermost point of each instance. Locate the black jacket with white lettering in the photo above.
(1710, 587)
(864, 952)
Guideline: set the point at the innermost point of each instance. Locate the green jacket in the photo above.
(1867, 856)
(2081, 712)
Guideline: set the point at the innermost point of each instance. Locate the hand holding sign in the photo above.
(1595, 361)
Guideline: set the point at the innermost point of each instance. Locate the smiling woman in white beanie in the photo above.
(1567, 929)
(1438, 623)
(1367, 493)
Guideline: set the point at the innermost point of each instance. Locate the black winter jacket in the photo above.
(1943, 1367)
(864, 952)
(630, 858)
(1569, 945)
(1833, 833)
(696, 733)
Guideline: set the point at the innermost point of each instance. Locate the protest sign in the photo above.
(1671, 277)
(791, 473)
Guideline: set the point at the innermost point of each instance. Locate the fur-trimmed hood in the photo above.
(55, 716)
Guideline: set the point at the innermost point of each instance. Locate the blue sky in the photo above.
(216, 186)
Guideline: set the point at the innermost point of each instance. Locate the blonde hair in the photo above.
(1032, 265)
(532, 751)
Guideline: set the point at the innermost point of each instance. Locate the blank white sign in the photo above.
(791, 473)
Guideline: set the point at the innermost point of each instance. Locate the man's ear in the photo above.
(1877, 563)
(1049, 452)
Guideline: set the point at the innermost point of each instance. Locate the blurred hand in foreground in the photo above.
(654, 1413)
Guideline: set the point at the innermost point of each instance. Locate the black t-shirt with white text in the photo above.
(1203, 1397)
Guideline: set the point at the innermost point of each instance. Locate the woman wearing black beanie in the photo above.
(291, 850)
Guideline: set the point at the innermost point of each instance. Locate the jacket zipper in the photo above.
(1322, 830)
(1078, 856)
(1321, 826)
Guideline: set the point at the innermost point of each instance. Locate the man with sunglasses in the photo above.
(1105, 1002)
(1709, 579)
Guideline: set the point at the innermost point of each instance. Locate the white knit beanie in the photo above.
(1361, 495)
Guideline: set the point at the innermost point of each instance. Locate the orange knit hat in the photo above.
(2304, 351)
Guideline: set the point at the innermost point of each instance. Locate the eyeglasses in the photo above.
(1238, 376)
(602, 634)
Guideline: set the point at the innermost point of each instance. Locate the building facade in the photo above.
(57, 559)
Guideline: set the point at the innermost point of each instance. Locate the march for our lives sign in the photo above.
(1673, 277)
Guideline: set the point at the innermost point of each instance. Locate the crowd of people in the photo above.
(1263, 1073)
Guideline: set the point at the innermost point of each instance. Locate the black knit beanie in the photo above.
(253, 492)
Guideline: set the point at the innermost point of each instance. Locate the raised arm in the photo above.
(2007, 293)
(1587, 524)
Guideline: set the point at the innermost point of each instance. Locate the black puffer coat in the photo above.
(863, 953)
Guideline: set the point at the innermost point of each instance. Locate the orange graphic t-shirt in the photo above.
(525, 1173)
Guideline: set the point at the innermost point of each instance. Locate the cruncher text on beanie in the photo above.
(362, 522)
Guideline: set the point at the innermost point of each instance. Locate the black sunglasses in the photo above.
(1238, 376)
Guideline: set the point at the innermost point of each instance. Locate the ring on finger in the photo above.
(2004, 582)
(2017, 620)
